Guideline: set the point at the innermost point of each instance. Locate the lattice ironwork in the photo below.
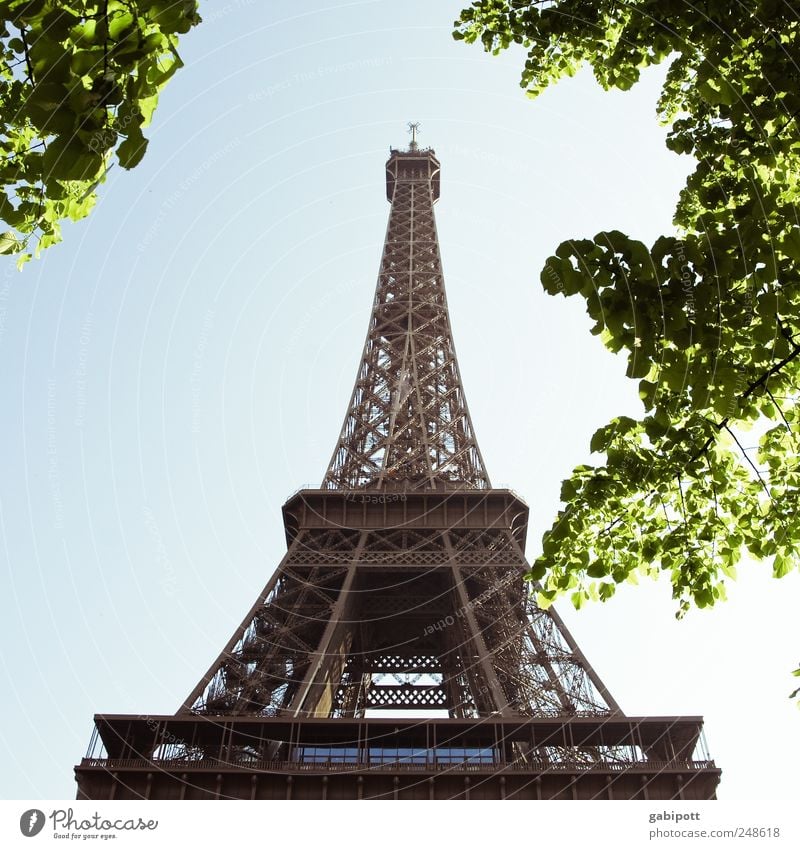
(405, 548)
(259, 671)
(328, 545)
(406, 696)
(541, 669)
(476, 625)
(408, 425)
(485, 546)
(404, 540)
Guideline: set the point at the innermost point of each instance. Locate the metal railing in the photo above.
(206, 764)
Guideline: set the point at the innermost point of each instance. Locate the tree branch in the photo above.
(27, 55)
(750, 462)
(778, 408)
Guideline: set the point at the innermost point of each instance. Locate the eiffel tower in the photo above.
(401, 592)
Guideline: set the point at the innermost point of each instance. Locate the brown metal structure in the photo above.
(401, 590)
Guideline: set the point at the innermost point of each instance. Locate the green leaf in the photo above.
(606, 591)
(568, 491)
(67, 159)
(8, 242)
(131, 151)
(638, 365)
(791, 244)
(598, 443)
(782, 566)
(537, 571)
(597, 570)
(544, 599)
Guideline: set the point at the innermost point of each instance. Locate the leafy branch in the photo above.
(707, 316)
(94, 70)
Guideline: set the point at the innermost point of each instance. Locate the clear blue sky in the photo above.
(182, 363)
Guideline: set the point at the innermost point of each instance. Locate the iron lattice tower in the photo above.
(402, 588)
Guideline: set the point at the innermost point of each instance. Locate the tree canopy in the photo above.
(80, 81)
(708, 315)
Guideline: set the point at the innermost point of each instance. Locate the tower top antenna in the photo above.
(413, 128)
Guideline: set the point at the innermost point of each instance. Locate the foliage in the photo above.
(80, 80)
(708, 316)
